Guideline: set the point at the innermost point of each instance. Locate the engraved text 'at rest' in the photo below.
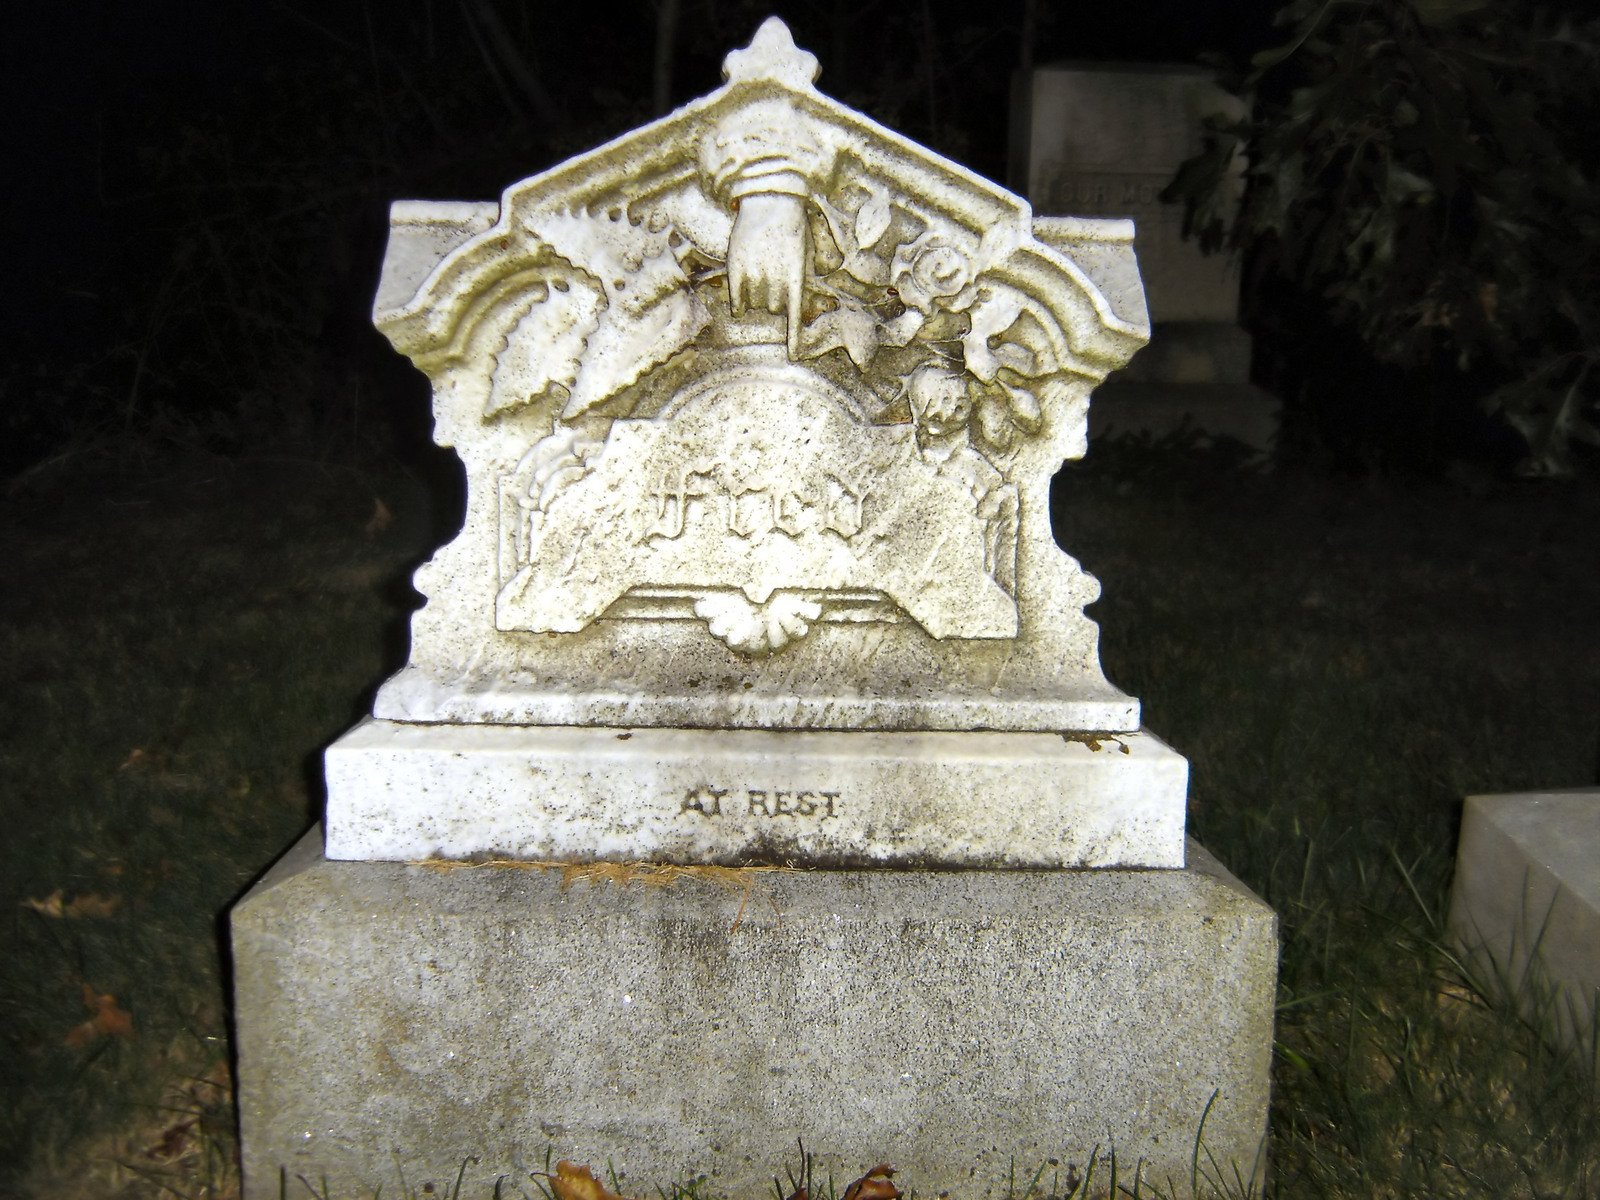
(760, 802)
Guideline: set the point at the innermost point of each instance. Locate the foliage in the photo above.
(1427, 170)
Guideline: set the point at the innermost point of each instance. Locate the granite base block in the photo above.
(1525, 907)
(401, 793)
(955, 1024)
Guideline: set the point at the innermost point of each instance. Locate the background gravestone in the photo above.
(1103, 141)
(1525, 907)
(759, 407)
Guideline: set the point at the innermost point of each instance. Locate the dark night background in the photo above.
(200, 191)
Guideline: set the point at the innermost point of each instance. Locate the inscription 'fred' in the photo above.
(760, 802)
(753, 512)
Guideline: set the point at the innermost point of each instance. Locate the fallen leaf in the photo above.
(155, 760)
(114, 1021)
(876, 1184)
(92, 904)
(50, 906)
(572, 1182)
(214, 1087)
(107, 1020)
(380, 519)
(80, 1036)
(174, 1142)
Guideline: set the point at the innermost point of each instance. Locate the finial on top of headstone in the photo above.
(772, 55)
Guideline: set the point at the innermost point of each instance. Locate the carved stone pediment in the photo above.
(759, 406)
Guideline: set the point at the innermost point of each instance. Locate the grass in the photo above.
(1342, 663)
(1340, 660)
(176, 652)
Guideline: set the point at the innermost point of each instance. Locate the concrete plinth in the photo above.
(1525, 907)
(952, 1023)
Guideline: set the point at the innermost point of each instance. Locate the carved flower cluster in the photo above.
(905, 283)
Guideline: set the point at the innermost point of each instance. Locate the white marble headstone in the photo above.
(759, 406)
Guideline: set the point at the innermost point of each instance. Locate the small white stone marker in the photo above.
(1525, 906)
(759, 407)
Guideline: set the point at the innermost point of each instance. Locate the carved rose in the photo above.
(929, 270)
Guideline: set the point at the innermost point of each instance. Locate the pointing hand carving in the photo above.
(768, 254)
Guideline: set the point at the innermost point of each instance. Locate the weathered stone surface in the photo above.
(409, 792)
(1525, 907)
(759, 406)
(953, 1023)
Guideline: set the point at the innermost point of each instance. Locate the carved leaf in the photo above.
(872, 220)
(545, 347)
(995, 312)
(623, 348)
(849, 326)
(859, 262)
(634, 263)
(558, 460)
(903, 328)
(1024, 407)
(1017, 358)
(647, 313)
